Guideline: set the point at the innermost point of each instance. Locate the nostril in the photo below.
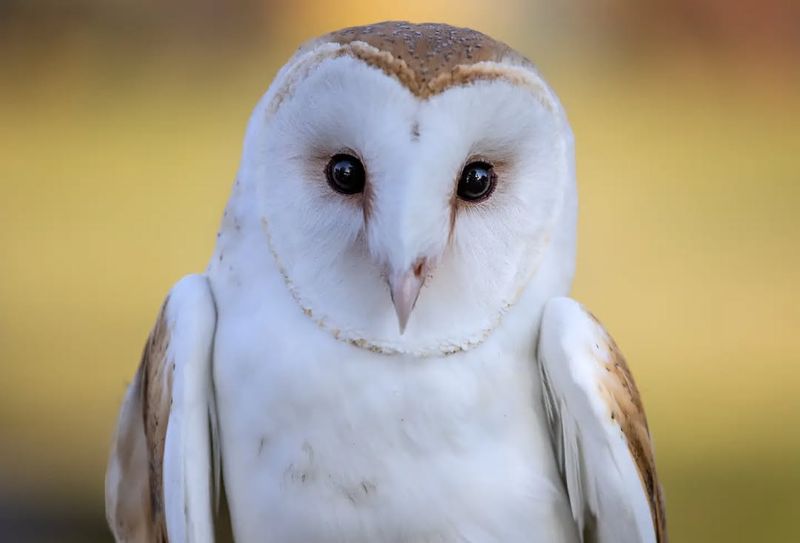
(419, 266)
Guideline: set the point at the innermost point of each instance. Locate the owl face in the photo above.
(406, 220)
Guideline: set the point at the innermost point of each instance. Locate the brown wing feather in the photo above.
(134, 482)
(627, 409)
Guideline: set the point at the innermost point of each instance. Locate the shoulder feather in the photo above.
(600, 432)
(154, 490)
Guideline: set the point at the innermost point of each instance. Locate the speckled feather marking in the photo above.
(135, 497)
(156, 390)
(426, 58)
(627, 410)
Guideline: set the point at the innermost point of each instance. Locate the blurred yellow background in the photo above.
(120, 132)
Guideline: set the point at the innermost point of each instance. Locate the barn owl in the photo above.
(381, 348)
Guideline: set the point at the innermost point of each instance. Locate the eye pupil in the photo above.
(477, 182)
(345, 174)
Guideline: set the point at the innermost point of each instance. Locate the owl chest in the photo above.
(325, 442)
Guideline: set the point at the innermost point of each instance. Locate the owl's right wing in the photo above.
(159, 478)
(600, 434)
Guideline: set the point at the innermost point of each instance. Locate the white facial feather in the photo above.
(336, 251)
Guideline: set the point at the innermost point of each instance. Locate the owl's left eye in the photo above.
(345, 174)
(477, 182)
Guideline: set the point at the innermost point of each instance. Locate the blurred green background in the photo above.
(120, 132)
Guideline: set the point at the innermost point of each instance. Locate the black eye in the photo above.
(345, 174)
(477, 182)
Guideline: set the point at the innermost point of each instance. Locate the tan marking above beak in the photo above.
(404, 288)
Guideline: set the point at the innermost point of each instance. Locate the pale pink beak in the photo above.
(405, 289)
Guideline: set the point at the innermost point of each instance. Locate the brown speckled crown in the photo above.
(427, 58)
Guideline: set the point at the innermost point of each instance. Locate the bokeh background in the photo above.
(120, 131)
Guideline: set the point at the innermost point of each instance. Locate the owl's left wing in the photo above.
(599, 430)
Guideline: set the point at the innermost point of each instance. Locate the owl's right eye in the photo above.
(345, 174)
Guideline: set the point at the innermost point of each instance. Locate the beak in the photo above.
(405, 287)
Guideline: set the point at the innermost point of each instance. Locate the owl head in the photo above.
(411, 184)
